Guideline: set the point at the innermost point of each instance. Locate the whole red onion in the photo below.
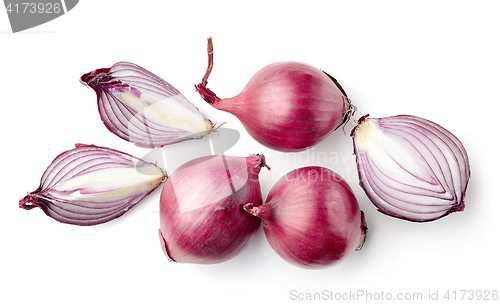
(311, 218)
(202, 219)
(286, 106)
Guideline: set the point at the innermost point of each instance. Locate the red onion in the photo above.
(142, 108)
(91, 185)
(286, 106)
(311, 218)
(411, 168)
(202, 219)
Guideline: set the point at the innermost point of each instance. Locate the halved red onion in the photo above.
(311, 218)
(411, 168)
(142, 108)
(90, 185)
(202, 219)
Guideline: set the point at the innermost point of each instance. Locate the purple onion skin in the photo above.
(202, 219)
(312, 219)
(286, 106)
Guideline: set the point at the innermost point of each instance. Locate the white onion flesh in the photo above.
(410, 167)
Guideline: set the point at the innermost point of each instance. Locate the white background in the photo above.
(434, 59)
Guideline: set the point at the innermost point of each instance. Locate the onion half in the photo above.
(411, 168)
(202, 219)
(142, 108)
(312, 219)
(91, 185)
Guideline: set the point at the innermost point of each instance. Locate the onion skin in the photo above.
(411, 168)
(202, 219)
(286, 106)
(312, 219)
(91, 185)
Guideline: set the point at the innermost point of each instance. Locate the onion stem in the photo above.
(201, 88)
(210, 51)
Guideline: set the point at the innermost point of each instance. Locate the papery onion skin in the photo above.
(91, 185)
(286, 106)
(312, 219)
(142, 108)
(411, 168)
(202, 219)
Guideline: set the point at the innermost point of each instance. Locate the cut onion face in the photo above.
(142, 108)
(411, 168)
(91, 185)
